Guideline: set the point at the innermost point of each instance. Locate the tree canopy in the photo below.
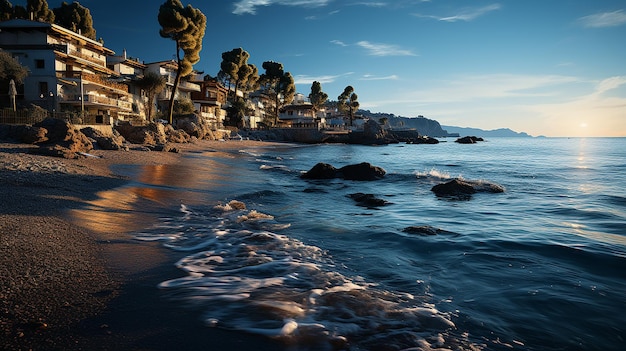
(10, 68)
(236, 67)
(278, 84)
(185, 26)
(348, 102)
(6, 10)
(76, 18)
(40, 11)
(317, 97)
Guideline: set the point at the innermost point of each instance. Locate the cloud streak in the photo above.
(604, 19)
(249, 7)
(378, 49)
(304, 79)
(466, 15)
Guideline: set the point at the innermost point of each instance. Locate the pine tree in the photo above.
(186, 26)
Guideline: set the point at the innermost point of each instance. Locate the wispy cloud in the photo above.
(604, 19)
(378, 49)
(465, 15)
(304, 79)
(373, 77)
(250, 6)
(338, 42)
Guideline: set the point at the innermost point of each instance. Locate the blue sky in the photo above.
(554, 68)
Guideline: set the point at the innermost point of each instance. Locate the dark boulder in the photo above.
(465, 188)
(321, 171)
(368, 200)
(454, 187)
(469, 140)
(423, 230)
(361, 171)
(423, 140)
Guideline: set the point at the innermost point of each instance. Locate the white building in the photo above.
(68, 72)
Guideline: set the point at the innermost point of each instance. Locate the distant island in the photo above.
(432, 128)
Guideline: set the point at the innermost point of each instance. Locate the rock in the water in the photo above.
(423, 230)
(361, 171)
(321, 171)
(368, 200)
(455, 187)
(469, 140)
(464, 188)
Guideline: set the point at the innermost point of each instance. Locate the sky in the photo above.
(544, 67)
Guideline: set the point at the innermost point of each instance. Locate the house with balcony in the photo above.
(68, 72)
(168, 69)
(301, 114)
(129, 70)
(210, 101)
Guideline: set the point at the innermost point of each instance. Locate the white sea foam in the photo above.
(258, 281)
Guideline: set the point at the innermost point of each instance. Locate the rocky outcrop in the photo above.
(465, 188)
(151, 134)
(469, 140)
(362, 172)
(104, 142)
(368, 200)
(62, 139)
(194, 126)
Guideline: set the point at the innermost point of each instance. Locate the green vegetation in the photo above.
(152, 84)
(278, 85)
(317, 97)
(235, 68)
(76, 18)
(185, 26)
(348, 102)
(40, 10)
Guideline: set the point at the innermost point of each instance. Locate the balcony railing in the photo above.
(100, 100)
(182, 84)
(94, 78)
(90, 58)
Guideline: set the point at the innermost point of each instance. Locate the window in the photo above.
(40, 63)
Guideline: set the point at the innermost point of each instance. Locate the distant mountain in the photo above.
(502, 132)
(432, 128)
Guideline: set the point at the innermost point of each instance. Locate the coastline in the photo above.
(67, 287)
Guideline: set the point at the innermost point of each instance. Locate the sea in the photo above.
(264, 252)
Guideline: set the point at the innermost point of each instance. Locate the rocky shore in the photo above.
(64, 287)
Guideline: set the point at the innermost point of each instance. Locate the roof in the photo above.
(22, 24)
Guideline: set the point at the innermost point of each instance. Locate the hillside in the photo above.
(502, 132)
(432, 128)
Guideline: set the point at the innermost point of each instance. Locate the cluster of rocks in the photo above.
(469, 140)
(56, 137)
(362, 171)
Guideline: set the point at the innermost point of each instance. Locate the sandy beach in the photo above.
(66, 287)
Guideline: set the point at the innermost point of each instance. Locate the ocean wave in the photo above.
(252, 279)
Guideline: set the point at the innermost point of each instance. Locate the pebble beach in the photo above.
(65, 287)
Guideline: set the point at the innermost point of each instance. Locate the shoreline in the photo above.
(68, 287)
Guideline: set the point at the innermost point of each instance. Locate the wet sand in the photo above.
(66, 287)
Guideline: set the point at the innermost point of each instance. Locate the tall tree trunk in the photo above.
(176, 82)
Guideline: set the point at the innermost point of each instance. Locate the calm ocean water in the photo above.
(541, 266)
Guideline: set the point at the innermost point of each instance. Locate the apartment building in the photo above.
(68, 72)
